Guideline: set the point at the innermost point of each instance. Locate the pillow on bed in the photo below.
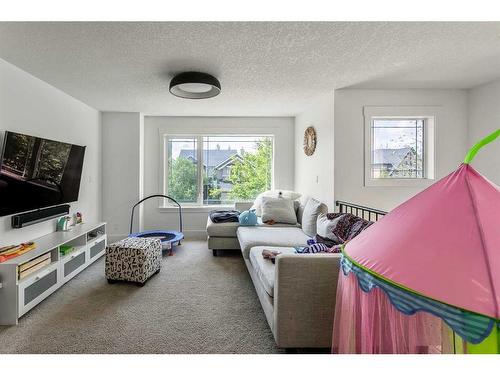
(279, 210)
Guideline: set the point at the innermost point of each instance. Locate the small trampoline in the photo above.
(168, 238)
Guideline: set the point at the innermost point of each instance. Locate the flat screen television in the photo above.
(37, 172)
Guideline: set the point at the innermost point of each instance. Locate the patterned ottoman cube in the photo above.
(133, 259)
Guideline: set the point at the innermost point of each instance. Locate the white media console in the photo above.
(18, 296)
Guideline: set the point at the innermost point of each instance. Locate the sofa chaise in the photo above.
(297, 293)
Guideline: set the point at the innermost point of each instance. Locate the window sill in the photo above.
(195, 209)
(401, 182)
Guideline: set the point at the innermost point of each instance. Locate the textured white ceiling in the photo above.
(265, 68)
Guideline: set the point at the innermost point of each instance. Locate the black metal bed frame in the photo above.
(355, 209)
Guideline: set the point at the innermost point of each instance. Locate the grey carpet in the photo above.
(196, 304)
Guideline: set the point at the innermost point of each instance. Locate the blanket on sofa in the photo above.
(345, 227)
(224, 216)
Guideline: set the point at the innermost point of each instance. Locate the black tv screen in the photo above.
(37, 172)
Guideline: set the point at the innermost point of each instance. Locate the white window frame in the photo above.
(165, 203)
(429, 114)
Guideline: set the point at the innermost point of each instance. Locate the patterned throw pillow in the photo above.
(347, 226)
(358, 227)
(324, 230)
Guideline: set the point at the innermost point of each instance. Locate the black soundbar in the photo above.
(33, 217)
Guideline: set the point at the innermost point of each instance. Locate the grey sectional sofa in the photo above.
(297, 293)
(223, 236)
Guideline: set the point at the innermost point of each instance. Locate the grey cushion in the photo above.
(229, 229)
(300, 208)
(270, 236)
(264, 268)
(310, 215)
(280, 210)
(221, 229)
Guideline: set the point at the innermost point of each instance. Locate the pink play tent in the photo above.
(426, 277)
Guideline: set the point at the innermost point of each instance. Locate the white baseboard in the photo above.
(116, 237)
(193, 234)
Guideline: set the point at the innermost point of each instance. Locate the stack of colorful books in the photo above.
(9, 252)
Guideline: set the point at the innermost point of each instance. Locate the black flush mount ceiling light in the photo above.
(195, 85)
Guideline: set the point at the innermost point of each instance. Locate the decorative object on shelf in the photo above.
(66, 249)
(63, 224)
(95, 234)
(195, 85)
(309, 141)
(78, 218)
(9, 252)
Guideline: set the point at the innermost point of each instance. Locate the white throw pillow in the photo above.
(281, 210)
(288, 194)
(325, 226)
(310, 215)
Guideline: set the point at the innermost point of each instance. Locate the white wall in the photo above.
(314, 175)
(29, 105)
(122, 170)
(195, 219)
(484, 118)
(451, 140)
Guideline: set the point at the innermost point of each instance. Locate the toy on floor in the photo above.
(167, 237)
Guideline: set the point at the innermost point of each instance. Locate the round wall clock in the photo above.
(309, 141)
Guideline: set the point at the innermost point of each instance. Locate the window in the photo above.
(217, 170)
(399, 146)
(183, 169)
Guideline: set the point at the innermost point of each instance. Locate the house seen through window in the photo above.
(213, 170)
(397, 149)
